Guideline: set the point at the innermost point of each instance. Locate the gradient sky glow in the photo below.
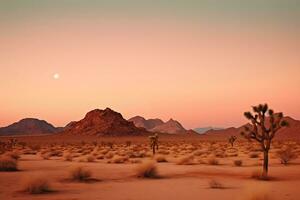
(200, 62)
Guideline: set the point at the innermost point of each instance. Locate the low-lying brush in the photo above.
(36, 185)
(80, 174)
(215, 184)
(238, 163)
(160, 158)
(185, 160)
(147, 169)
(8, 164)
(286, 155)
(213, 161)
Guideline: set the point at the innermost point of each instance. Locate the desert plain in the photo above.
(125, 168)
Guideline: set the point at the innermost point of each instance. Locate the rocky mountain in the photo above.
(171, 127)
(290, 132)
(103, 122)
(205, 129)
(145, 123)
(29, 126)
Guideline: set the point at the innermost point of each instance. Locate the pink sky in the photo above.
(200, 74)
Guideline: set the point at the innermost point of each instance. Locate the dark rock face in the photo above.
(103, 122)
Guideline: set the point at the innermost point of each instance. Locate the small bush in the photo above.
(80, 174)
(147, 169)
(253, 155)
(185, 160)
(215, 184)
(14, 154)
(8, 164)
(213, 161)
(90, 158)
(160, 158)
(286, 155)
(36, 185)
(238, 163)
(118, 159)
(68, 157)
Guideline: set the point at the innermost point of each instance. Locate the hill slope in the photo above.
(103, 122)
(28, 126)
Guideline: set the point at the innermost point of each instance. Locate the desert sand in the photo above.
(185, 169)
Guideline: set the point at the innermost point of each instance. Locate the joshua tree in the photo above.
(232, 139)
(153, 142)
(263, 129)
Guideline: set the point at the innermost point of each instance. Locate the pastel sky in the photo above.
(201, 62)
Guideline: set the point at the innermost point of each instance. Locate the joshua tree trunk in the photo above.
(153, 149)
(266, 163)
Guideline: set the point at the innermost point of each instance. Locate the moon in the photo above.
(56, 76)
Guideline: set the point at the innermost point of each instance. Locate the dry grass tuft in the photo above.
(214, 184)
(253, 155)
(118, 159)
(213, 161)
(286, 155)
(8, 164)
(160, 158)
(90, 158)
(238, 163)
(147, 169)
(80, 174)
(14, 155)
(185, 160)
(36, 185)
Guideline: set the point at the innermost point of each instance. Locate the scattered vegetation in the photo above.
(286, 155)
(8, 163)
(214, 184)
(238, 163)
(147, 169)
(36, 185)
(80, 174)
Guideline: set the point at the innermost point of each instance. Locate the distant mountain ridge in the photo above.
(158, 125)
(205, 129)
(29, 126)
(147, 124)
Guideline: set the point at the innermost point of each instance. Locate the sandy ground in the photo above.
(118, 181)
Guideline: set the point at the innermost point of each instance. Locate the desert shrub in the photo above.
(147, 169)
(185, 160)
(213, 161)
(160, 158)
(14, 154)
(46, 156)
(199, 152)
(68, 157)
(80, 174)
(8, 164)
(90, 158)
(286, 155)
(253, 155)
(36, 185)
(109, 155)
(100, 156)
(135, 161)
(118, 159)
(214, 184)
(238, 163)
